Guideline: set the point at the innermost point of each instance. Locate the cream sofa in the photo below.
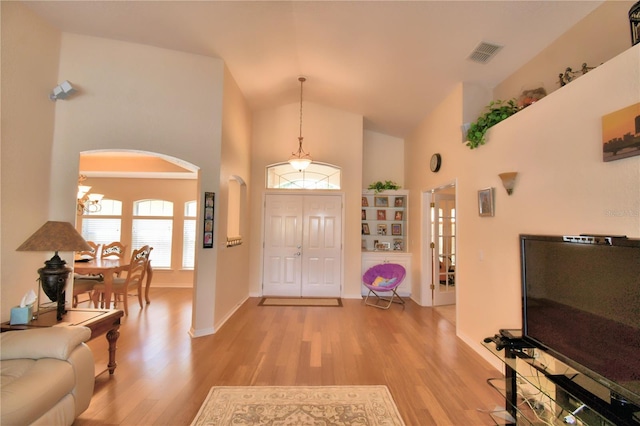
(47, 375)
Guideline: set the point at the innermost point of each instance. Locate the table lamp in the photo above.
(55, 236)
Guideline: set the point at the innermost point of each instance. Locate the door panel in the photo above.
(283, 240)
(321, 265)
(302, 250)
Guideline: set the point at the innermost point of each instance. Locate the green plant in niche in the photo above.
(496, 111)
(382, 186)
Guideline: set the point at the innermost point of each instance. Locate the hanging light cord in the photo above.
(302, 80)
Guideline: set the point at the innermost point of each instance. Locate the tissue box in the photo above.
(21, 315)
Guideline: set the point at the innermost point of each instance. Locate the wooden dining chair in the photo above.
(113, 249)
(84, 283)
(133, 280)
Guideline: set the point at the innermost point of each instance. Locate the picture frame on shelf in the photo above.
(396, 229)
(382, 215)
(381, 201)
(365, 229)
(398, 244)
(398, 202)
(364, 244)
(486, 202)
(365, 202)
(364, 214)
(384, 246)
(399, 215)
(382, 229)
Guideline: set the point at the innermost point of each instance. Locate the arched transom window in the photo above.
(316, 176)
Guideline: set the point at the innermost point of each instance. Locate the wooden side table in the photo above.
(99, 321)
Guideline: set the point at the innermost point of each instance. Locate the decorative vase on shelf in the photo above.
(634, 22)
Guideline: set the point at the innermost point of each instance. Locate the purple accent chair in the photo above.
(388, 271)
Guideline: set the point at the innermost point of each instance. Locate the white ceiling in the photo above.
(390, 61)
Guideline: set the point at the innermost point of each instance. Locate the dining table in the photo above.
(108, 268)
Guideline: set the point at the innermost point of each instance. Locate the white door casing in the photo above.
(444, 238)
(302, 245)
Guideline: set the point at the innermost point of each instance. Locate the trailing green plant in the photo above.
(382, 186)
(496, 111)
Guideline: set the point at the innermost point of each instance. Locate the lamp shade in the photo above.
(300, 163)
(508, 181)
(55, 236)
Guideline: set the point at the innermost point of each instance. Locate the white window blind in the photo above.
(102, 229)
(154, 229)
(189, 235)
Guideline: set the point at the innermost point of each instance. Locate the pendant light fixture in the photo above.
(300, 160)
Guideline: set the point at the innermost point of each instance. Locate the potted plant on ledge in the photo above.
(496, 111)
(383, 186)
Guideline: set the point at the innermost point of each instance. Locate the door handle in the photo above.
(298, 253)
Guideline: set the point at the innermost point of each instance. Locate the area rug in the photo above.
(299, 406)
(301, 301)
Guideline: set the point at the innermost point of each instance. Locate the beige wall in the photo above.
(127, 99)
(331, 136)
(30, 55)
(178, 191)
(602, 35)
(563, 187)
(382, 159)
(438, 133)
(232, 274)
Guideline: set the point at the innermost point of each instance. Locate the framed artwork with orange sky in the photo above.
(621, 133)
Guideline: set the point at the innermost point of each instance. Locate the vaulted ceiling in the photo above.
(390, 61)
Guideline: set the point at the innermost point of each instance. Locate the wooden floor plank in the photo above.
(163, 375)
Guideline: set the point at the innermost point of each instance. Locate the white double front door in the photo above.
(302, 246)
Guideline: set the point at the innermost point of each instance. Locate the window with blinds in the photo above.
(153, 225)
(103, 226)
(189, 235)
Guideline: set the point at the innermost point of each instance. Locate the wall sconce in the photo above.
(62, 91)
(508, 181)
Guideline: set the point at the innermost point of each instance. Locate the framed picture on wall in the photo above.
(209, 205)
(485, 202)
(618, 130)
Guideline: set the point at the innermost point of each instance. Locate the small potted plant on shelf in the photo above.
(496, 111)
(383, 186)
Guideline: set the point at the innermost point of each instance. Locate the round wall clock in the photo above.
(436, 162)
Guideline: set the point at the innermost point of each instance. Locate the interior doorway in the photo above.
(127, 177)
(302, 245)
(439, 246)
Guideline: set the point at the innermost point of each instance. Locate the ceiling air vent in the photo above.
(484, 52)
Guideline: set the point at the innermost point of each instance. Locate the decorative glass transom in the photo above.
(316, 176)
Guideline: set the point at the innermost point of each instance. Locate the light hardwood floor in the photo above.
(163, 375)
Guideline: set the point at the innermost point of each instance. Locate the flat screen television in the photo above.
(581, 303)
